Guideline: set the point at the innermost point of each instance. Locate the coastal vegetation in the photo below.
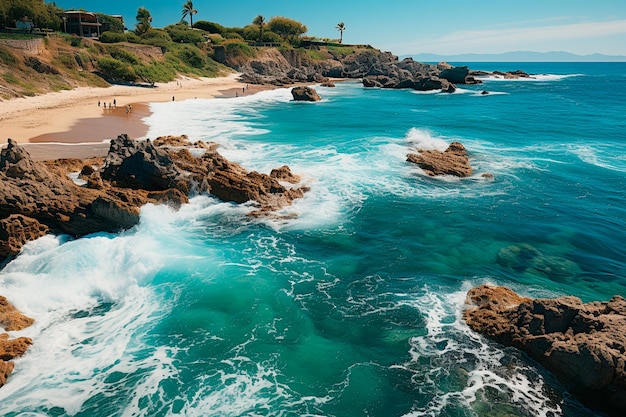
(143, 55)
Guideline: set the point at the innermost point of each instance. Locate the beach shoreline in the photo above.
(75, 123)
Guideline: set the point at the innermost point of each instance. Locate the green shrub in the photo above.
(191, 56)
(116, 70)
(210, 27)
(184, 34)
(236, 49)
(156, 72)
(112, 37)
(232, 35)
(123, 55)
(271, 37)
(157, 37)
(132, 38)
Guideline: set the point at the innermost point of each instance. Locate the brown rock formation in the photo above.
(305, 94)
(584, 345)
(11, 320)
(453, 161)
(38, 198)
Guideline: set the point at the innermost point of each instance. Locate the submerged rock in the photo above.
(526, 258)
(583, 345)
(453, 161)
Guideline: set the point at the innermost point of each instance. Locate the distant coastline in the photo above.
(517, 56)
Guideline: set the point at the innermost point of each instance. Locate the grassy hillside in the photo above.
(62, 62)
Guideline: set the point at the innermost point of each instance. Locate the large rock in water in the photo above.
(305, 94)
(584, 345)
(453, 161)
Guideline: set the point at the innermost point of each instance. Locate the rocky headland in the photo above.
(582, 344)
(375, 68)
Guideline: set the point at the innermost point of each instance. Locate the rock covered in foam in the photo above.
(11, 320)
(584, 345)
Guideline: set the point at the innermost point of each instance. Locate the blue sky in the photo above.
(415, 26)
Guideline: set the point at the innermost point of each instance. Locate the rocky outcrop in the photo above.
(583, 345)
(453, 161)
(305, 94)
(507, 75)
(38, 198)
(34, 200)
(11, 320)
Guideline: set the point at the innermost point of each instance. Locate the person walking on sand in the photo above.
(114, 103)
(172, 98)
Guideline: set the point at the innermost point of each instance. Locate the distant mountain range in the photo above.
(519, 56)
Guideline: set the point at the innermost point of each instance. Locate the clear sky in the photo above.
(407, 27)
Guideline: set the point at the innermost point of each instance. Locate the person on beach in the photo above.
(98, 103)
(114, 103)
(172, 98)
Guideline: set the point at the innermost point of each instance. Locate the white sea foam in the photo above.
(212, 119)
(600, 155)
(450, 346)
(532, 78)
(424, 139)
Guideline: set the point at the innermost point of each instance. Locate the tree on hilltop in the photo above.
(341, 27)
(288, 29)
(188, 10)
(260, 22)
(144, 21)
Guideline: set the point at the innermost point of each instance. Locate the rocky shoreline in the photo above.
(374, 68)
(583, 345)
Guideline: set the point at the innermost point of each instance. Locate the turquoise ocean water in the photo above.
(353, 307)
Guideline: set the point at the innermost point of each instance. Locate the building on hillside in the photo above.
(81, 23)
(25, 24)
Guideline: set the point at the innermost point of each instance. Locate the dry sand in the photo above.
(75, 123)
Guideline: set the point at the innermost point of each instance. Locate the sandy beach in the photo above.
(76, 123)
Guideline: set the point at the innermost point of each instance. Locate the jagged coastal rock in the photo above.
(453, 161)
(305, 94)
(584, 345)
(11, 320)
(38, 198)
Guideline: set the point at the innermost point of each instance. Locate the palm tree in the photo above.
(260, 22)
(340, 27)
(188, 10)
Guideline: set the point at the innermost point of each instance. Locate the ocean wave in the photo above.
(531, 78)
(600, 155)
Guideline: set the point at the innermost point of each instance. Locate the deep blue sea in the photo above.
(353, 306)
